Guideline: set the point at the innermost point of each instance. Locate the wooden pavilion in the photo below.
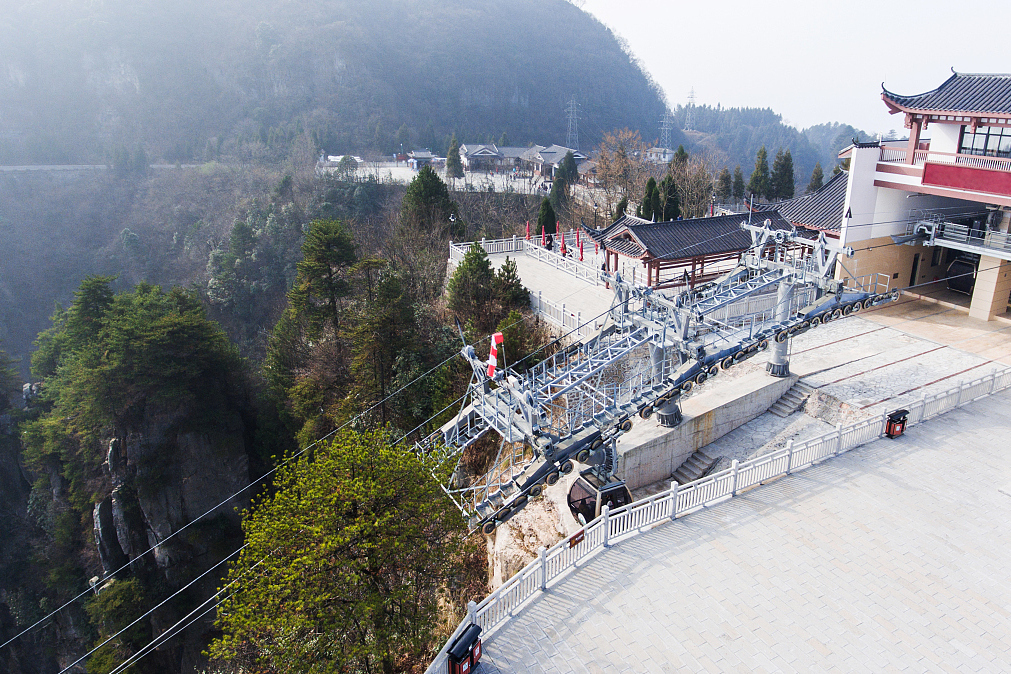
(679, 252)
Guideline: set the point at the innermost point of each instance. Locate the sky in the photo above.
(811, 61)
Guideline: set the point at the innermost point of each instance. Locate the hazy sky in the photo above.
(812, 61)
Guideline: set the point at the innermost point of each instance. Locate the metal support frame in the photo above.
(651, 350)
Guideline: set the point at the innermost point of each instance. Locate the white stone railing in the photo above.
(569, 264)
(678, 501)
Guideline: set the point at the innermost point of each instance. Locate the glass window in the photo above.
(987, 140)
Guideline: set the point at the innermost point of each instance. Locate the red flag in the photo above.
(578, 242)
(544, 233)
(580, 251)
(528, 230)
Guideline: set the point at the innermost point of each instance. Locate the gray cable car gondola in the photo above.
(589, 494)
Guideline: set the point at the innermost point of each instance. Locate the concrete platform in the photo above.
(891, 557)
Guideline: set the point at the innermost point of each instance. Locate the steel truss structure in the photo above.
(652, 350)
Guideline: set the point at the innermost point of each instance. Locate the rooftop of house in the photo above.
(962, 93)
(679, 239)
(821, 210)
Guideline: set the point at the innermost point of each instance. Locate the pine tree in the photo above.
(724, 184)
(568, 171)
(680, 156)
(454, 167)
(669, 205)
(781, 182)
(758, 184)
(738, 190)
(651, 207)
(471, 289)
(547, 222)
(503, 140)
(427, 206)
(817, 179)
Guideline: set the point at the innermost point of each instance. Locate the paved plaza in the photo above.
(891, 557)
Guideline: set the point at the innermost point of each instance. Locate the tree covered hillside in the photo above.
(188, 80)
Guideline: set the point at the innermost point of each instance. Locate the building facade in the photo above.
(917, 208)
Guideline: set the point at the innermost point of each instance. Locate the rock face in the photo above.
(167, 475)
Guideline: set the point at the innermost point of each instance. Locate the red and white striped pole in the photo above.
(496, 339)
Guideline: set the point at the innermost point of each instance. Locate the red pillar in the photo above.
(914, 139)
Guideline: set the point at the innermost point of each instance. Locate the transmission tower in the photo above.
(666, 124)
(572, 137)
(689, 110)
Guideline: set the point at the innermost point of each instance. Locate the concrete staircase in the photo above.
(695, 467)
(792, 399)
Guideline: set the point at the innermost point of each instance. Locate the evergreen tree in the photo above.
(738, 190)
(503, 140)
(427, 206)
(471, 289)
(568, 171)
(547, 222)
(817, 179)
(758, 184)
(724, 185)
(680, 156)
(669, 204)
(454, 167)
(620, 208)
(781, 182)
(651, 207)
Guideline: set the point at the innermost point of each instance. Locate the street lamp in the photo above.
(596, 208)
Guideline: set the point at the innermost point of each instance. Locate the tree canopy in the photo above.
(428, 206)
(738, 190)
(343, 564)
(781, 182)
(817, 179)
(758, 184)
(547, 221)
(454, 166)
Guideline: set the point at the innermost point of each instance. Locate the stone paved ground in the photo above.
(892, 557)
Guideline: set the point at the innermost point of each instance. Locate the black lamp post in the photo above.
(596, 207)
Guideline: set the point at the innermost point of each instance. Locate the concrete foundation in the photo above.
(651, 452)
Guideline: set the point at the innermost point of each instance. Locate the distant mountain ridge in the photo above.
(188, 79)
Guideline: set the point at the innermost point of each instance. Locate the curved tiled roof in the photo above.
(680, 239)
(822, 210)
(963, 93)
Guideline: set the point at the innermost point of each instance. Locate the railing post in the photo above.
(993, 381)
(482, 245)
(674, 487)
(472, 613)
(579, 323)
(540, 301)
(563, 316)
(514, 243)
(961, 390)
(838, 439)
(884, 423)
(733, 483)
(789, 456)
(542, 552)
(605, 513)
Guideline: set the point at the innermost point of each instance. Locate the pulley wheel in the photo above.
(552, 478)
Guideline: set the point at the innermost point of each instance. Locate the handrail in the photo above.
(899, 155)
(615, 525)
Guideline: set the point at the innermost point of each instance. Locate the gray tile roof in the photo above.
(962, 92)
(822, 210)
(680, 239)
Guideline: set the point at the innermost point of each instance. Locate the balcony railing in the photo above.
(952, 233)
(897, 155)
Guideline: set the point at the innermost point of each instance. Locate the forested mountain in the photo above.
(190, 79)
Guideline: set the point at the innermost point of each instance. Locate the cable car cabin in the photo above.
(589, 494)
